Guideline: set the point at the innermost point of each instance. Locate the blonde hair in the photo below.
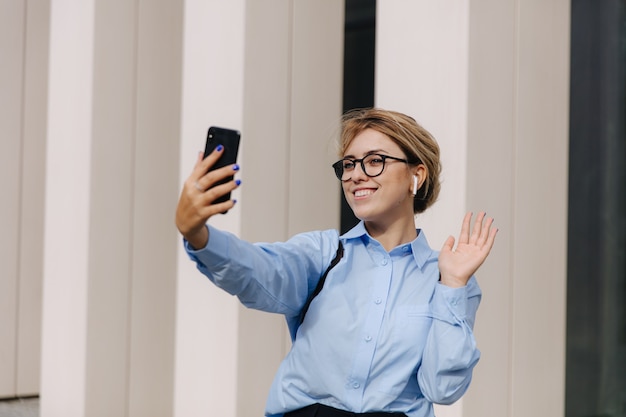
(417, 143)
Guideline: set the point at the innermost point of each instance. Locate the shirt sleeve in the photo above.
(450, 353)
(272, 277)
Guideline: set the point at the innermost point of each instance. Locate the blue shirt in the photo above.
(383, 334)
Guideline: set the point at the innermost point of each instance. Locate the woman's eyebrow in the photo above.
(373, 151)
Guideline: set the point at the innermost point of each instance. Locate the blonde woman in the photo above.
(390, 332)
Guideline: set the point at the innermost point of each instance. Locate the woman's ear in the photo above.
(419, 177)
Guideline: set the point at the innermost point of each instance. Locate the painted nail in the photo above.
(234, 201)
(238, 182)
(219, 148)
(235, 167)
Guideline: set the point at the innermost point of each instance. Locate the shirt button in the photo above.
(406, 248)
(384, 262)
(378, 301)
(356, 385)
(368, 338)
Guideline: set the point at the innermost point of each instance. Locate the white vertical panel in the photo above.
(23, 86)
(317, 77)
(518, 155)
(110, 209)
(155, 192)
(32, 196)
(264, 204)
(540, 234)
(206, 320)
(267, 120)
(421, 70)
(491, 159)
(67, 208)
(12, 28)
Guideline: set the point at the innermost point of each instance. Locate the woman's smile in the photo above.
(361, 193)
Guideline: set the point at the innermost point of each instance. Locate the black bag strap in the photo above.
(320, 283)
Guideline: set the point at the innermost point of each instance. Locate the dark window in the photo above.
(358, 72)
(596, 288)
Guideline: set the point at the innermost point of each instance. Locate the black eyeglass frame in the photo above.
(338, 166)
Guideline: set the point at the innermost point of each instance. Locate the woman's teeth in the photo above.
(362, 193)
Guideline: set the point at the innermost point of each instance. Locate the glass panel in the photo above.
(358, 73)
(596, 297)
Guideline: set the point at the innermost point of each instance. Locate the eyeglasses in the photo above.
(372, 165)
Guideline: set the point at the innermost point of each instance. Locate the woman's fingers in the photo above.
(204, 164)
(481, 231)
(209, 179)
(485, 231)
(214, 192)
(490, 233)
(465, 228)
(201, 189)
(457, 265)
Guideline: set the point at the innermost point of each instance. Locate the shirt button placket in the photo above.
(372, 329)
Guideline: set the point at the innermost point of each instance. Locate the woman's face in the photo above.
(383, 198)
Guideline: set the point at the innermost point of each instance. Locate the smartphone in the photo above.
(230, 139)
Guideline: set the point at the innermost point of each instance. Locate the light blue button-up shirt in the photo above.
(383, 334)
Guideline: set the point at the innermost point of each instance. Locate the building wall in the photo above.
(102, 136)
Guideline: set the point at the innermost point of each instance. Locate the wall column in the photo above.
(23, 86)
(518, 143)
(111, 189)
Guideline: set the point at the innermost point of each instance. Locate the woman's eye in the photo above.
(347, 165)
(375, 161)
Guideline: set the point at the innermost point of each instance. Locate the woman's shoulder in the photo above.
(325, 240)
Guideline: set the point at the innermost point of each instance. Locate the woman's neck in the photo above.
(393, 234)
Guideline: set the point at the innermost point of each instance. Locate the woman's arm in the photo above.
(450, 353)
(273, 277)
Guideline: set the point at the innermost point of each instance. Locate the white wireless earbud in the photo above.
(414, 185)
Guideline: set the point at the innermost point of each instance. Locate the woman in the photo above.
(390, 333)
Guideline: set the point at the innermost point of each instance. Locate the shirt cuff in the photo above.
(450, 304)
(214, 251)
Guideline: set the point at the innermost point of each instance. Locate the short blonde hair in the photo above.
(417, 143)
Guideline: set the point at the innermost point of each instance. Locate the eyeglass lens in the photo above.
(372, 166)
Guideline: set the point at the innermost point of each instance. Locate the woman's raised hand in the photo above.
(195, 205)
(457, 265)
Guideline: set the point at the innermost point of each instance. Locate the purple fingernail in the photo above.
(235, 167)
(238, 182)
(234, 201)
(219, 148)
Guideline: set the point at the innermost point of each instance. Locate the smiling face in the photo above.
(386, 198)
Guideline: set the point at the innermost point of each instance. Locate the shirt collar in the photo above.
(357, 231)
(421, 250)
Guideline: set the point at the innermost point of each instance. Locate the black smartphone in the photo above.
(229, 139)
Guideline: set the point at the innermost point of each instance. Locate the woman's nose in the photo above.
(358, 173)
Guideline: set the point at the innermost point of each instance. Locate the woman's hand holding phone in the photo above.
(199, 199)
